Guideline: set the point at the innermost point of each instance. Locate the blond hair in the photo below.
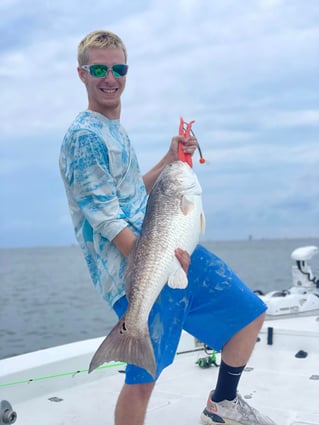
(99, 39)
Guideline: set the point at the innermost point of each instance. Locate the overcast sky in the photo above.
(246, 71)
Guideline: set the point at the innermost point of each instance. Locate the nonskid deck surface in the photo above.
(276, 382)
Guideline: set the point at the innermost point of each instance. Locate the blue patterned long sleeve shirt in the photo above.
(105, 193)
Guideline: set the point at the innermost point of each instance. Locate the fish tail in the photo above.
(122, 346)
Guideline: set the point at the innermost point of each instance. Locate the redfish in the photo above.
(174, 218)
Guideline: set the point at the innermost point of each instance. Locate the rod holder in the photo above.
(7, 414)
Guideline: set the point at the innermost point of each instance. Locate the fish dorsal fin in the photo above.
(178, 279)
(187, 205)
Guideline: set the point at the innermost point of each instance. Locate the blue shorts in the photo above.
(215, 305)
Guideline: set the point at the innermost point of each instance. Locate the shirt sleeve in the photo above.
(93, 186)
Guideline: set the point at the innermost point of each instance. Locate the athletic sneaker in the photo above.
(235, 412)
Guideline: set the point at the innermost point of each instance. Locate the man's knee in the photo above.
(258, 322)
(252, 329)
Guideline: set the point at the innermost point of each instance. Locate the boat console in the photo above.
(303, 297)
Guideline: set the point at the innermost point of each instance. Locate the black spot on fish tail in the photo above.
(123, 329)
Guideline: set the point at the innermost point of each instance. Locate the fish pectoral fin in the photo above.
(178, 279)
(187, 205)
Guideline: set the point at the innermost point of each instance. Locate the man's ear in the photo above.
(82, 74)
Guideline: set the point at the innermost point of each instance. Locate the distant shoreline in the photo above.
(203, 242)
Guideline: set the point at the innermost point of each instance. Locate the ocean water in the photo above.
(47, 298)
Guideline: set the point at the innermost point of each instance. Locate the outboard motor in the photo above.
(302, 276)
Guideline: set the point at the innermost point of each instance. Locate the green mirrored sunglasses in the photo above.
(100, 71)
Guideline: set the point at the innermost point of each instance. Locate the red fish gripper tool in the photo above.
(185, 130)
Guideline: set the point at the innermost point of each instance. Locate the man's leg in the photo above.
(223, 403)
(132, 404)
(235, 355)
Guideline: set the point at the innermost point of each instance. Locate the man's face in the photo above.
(104, 94)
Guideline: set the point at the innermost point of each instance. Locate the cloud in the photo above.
(245, 71)
(296, 118)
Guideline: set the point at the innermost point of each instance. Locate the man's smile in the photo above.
(108, 90)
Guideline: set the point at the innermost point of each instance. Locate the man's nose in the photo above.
(109, 74)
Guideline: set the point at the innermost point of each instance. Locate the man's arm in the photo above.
(124, 241)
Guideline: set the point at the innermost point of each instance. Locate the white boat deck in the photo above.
(45, 387)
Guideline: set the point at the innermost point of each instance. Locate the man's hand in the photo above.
(189, 146)
(184, 258)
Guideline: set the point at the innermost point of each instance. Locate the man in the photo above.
(107, 198)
